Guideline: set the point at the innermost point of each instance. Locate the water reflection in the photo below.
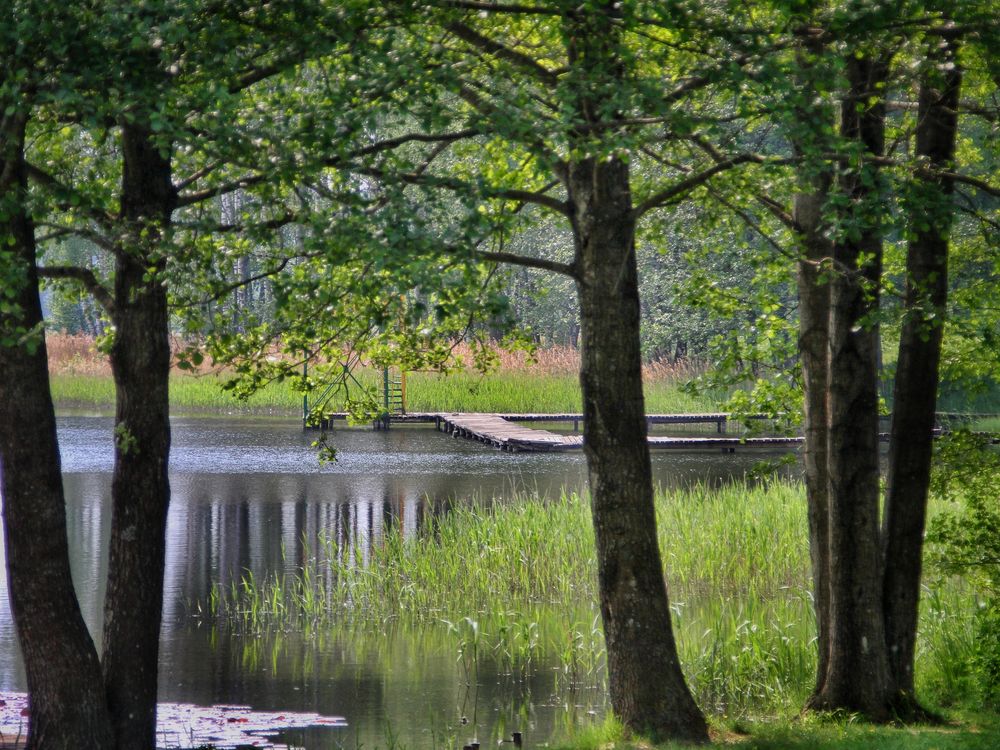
(249, 497)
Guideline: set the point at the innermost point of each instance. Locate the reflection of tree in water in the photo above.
(224, 524)
(227, 527)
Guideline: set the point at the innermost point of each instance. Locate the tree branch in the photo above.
(59, 230)
(777, 210)
(523, 196)
(197, 175)
(189, 199)
(391, 143)
(48, 181)
(496, 7)
(543, 264)
(751, 222)
(86, 278)
(220, 292)
(501, 52)
(700, 178)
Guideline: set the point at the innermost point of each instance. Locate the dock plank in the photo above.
(500, 432)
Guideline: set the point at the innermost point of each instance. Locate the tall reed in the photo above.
(516, 581)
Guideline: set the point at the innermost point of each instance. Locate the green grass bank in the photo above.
(463, 391)
(962, 732)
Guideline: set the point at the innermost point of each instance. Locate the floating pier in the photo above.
(506, 431)
(504, 434)
(501, 431)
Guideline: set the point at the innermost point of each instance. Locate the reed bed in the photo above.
(188, 393)
(549, 382)
(516, 582)
(507, 392)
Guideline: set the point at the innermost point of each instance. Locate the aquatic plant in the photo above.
(514, 583)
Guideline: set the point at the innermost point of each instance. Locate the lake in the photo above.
(250, 495)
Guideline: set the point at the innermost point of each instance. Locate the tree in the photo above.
(845, 83)
(555, 107)
(917, 370)
(125, 120)
(66, 691)
(867, 567)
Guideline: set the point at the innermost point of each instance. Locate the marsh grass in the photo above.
(989, 424)
(461, 391)
(515, 583)
(548, 382)
(510, 391)
(187, 394)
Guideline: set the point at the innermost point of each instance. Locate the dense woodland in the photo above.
(804, 193)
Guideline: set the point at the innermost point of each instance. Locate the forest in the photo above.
(798, 196)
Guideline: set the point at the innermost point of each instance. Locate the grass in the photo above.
(989, 424)
(426, 392)
(509, 392)
(812, 733)
(516, 582)
(81, 379)
(187, 394)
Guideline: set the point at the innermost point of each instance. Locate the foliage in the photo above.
(965, 541)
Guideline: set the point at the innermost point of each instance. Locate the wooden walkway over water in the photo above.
(509, 432)
(500, 431)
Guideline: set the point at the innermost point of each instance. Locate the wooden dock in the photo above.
(719, 420)
(506, 431)
(502, 432)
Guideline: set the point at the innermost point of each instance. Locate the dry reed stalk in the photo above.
(565, 360)
(75, 354)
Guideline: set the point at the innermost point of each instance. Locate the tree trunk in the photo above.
(140, 360)
(814, 351)
(66, 695)
(915, 395)
(809, 135)
(857, 675)
(646, 684)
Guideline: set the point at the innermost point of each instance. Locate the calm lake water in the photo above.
(249, 494)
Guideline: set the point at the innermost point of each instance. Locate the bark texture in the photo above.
(64, 676)
(140, 360)
(814, 344)
(646, 684)
(915, 393)
(647, 688)
(812, 120)
(857, 676)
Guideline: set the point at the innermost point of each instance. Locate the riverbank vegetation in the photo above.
(547, 382)
(513, 585)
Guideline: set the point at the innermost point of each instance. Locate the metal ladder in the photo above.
(393, 396)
